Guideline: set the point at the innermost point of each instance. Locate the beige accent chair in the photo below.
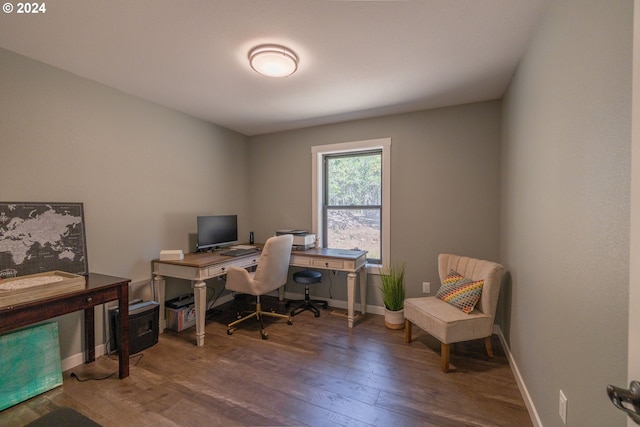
(270, 274)
(449, 324)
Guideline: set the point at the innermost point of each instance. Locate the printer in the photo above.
(302, 240)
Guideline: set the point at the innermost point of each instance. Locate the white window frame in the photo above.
(317, 179)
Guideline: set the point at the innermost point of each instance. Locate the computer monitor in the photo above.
(216, 230)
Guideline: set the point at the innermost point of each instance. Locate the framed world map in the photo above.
(40, 237)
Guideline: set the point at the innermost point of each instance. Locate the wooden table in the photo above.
(198, 267)
(99, 288)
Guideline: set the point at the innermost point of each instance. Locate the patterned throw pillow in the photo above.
(460, 292)
(452, 277)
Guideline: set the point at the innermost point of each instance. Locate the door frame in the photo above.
(633, 369)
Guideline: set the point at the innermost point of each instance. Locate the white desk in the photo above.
(198, 267)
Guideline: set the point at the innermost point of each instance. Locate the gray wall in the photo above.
(444, 186)
(142, 171)
(565, 208)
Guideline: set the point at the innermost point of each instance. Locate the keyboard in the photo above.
(238, 252)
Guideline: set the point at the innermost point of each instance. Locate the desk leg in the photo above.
(123, 336)
(200, 299)
(351, 297)
(90, 334)
(158, 295)
(363, 290)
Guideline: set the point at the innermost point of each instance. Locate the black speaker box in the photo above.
(143, 326)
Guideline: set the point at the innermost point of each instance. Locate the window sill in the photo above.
(375, 269)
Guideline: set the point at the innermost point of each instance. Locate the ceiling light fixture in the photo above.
(273, 60)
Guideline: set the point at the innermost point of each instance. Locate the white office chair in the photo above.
(270, 274)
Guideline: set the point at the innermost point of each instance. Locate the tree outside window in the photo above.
(352, 202)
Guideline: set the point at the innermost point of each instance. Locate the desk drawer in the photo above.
(81, 302)
(215, 271)
(332, 264)
(300, 261)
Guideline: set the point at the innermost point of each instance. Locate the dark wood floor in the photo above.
(316, 372)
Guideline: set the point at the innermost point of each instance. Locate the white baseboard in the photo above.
(78, 359)
(535, 418)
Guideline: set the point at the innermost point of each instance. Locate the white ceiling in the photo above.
(358, 59)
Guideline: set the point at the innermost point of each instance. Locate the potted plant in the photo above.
(393, 292)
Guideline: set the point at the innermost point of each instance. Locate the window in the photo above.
(351, 197)
(352, 202)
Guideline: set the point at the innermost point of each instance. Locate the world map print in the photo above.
(41, 237)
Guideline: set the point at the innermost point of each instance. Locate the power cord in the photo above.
(214, 297)
(74, 375)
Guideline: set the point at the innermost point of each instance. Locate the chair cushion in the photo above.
(446, 322)
(460, 292)
(307, 276)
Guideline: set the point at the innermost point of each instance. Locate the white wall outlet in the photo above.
(426, 287)
(563, 407)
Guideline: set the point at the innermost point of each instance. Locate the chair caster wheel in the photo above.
(264, 335)
(229, 331)
(316, 314)
(289, 322)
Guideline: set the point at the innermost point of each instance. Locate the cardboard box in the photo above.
(179, 319)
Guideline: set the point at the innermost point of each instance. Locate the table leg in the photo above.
(90, 334)
(123, 336)
(158, 295)
(200, 300)
(363, 290)
(351, 296)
